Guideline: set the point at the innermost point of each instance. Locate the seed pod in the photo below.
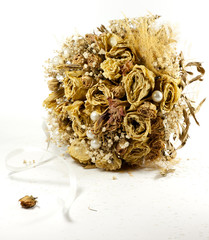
(90, 38)
(94, 61)
(78, 59)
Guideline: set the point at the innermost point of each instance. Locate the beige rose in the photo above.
(78, 151)
(135, 152)
(136, 126)
(138, 84)
(156, 145)
(122, 53)
(111, 68)
(51, 100)
(110, 164)
(73, 85)
(108, 40)
(171, 92)
(80, 120)
(147, 110)
(99, 93)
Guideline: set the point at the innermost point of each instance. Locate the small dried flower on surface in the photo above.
(28, 201)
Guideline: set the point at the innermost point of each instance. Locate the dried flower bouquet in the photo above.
(117, 96)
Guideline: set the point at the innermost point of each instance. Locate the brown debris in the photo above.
(164, 171)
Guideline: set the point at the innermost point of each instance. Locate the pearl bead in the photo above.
(113, 41)
(94, 116)
(95, 143)
(66, 52)
(90, 135)
(157, 96)
(57, 60)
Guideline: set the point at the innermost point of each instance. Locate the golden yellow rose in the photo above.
(73, 85)
(78, 151)
(122, 53)
(108, 40)
(51, 100)
(99, 93)
(135, 152)
(138, 84)
(111, 68)
(171, 92)
(136, 126)
(80, 120)
(110, 163)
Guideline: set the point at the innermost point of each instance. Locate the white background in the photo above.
(140, 205)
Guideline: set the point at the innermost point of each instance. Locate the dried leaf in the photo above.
(191, 109)
(184, 135)
(200, 69)
(198, 65)
(102, 29)
(200, 105)
(197, 78)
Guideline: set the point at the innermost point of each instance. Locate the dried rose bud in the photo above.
(87, 81)
(147, 110)
(90, 38)
(94, 61)
(53, 85)
(28, 201)
(78, 59)
(118, 92)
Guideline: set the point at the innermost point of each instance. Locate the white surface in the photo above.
(143, 206)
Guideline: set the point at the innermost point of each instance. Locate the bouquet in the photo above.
(117, 95)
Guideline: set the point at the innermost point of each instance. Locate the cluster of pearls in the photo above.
(90, 135)
(95, 143)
